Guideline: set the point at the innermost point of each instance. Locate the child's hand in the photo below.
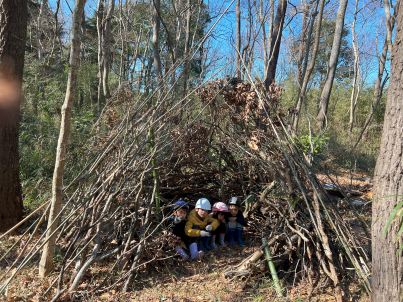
(209, 228)
(232, 219)
(204, 234)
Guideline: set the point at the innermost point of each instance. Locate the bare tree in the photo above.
(302, 44)
(39, 28)
(46, 263)
(379, 84)
(238, 38)
(306, 74)
(186, 53)
(387, 266)
(275, 42)
(13, 32)
(156, 40)
(100, 31)
(334, 56)
(356, 70)
(106, 48)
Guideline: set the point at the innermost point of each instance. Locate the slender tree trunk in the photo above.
(83, 35)
(334, 56)
(377, 89)
(156, 41)
(13, 33)
(262, 19)
(356, 79)
(302, 43)
(388, 25)
(46, 263)
(387, 267)
(187, 46)
(158, 72)
(39, 28)
(275, 42)
(238, 38)
(308, 72)
(106, 51)
(270, 34)
(122, 42)
(100, 18)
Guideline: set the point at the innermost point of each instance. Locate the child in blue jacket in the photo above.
(236, 222)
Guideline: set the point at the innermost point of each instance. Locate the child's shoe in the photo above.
(182, 253)
(222, 236)
(213, 242)
(194, 253)
(239, 232)
(205, 241)
(231, 237)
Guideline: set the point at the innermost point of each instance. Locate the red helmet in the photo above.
(220, 207)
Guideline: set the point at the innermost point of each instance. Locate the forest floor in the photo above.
(175, 280)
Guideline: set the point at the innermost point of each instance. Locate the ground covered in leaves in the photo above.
(172, 279)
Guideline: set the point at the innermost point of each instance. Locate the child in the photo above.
(236, 222)
(220, 211)
(197, 228)
(178, 222)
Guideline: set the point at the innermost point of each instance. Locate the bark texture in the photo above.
(387, 267)
(13, 32)
(46, 264)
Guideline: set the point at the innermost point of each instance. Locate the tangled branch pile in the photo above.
(230, 140)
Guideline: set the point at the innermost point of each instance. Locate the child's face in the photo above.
(181, 213)
(202, 213)
(221, 217)
(233, 210)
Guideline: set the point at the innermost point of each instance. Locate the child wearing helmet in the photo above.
(219, 212)
(236, 222)
(198, 226)
(177, 222)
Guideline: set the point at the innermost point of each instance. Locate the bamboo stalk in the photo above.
(272, 267)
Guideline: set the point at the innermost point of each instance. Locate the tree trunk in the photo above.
(377, 90)
(269, 35)
(186, 66)
(356, 79)
(106, 51)
(238, 38)
(387, 267)
(39, 29)
(156, 42)
(275, 42)
(13, 32)
(158, 72)
(334, 56)
(262, 20)
(307, 73)
(46, 264)
(302, 43)
(100, 31)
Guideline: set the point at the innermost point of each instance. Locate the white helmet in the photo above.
(203, 204)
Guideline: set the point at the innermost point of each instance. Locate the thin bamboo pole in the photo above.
(272, 267)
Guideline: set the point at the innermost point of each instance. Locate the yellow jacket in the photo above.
(193, 220)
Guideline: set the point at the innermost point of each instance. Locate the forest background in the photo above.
(45, 79)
